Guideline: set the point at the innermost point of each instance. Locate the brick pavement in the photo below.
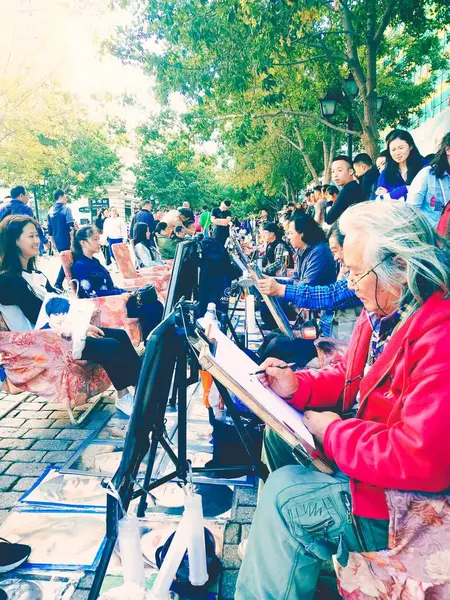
(37, 434)
(33, 436)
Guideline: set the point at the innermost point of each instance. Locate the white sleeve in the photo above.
(106, 226)
(143, 255)
(419, 188)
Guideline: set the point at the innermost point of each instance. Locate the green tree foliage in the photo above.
(256, 60)
(46, 135)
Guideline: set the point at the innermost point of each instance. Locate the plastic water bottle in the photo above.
(193, 511)
(211, 313)
(171, 562)
(130, 551)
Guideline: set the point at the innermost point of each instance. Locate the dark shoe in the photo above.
(12, 556)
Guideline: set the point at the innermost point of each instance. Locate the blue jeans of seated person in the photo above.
(302, 519)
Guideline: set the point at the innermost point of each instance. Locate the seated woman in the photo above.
(146, 253)
(394, 377)
(403, 162)
(274, 261)
(22, 290)
(335, 297)
(94, 280)
(315, 266)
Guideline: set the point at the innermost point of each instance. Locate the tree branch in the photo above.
(301, 148)
(385, 19)
(287, 113)
(371, 48)
(352, 50)
(300, 62)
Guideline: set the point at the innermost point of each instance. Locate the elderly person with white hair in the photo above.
(394, 378)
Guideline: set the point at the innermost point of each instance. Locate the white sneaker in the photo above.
(125, 404)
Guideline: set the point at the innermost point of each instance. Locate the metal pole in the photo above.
(36, 205)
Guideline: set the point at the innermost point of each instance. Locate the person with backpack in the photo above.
(430, 189)
(274, 261)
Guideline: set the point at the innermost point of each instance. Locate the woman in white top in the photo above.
(146, 254)
(114, 229)
(430, 188)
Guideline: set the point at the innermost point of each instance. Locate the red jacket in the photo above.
(400, 437)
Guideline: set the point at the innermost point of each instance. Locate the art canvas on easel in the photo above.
(235, 371)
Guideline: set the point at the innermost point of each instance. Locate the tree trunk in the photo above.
(328, 154)
(286, 186)
(301, 147)
(370, 126)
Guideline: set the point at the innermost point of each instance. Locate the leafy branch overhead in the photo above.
(242, 64)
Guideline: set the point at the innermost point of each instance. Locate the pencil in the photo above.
(287, 366)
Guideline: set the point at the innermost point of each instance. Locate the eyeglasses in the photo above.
(354, 282)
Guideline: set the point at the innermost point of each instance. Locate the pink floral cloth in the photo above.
(417, 564)
(41, 362)
(158, 276)
(111, 311)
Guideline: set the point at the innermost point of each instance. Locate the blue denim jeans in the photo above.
(303, 518)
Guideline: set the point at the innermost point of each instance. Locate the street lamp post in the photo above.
(36, 203)
(329, 103)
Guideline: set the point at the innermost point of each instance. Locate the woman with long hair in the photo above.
(430, 189)
(403, 162)
(22, 291)
(94, 279)
(146, 254)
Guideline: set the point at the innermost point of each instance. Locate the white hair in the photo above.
(404, 240)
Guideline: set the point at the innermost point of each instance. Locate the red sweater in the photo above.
(400, 437)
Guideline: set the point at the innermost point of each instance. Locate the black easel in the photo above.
(167, 349)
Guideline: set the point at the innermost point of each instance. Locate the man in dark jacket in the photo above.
(144, 215)
(351, 192)
(18, 205)
(367, 174)
(60, 225)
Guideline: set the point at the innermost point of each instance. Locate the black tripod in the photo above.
(168, 349)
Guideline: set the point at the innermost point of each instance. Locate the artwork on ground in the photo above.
(58, 540)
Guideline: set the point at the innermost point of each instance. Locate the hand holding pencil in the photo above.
(278, 376)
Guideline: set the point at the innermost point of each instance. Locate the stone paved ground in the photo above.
(37, 434)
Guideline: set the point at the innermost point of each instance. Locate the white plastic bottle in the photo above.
(172, 560)
(130, 551)
(211, 313)
(198, 572)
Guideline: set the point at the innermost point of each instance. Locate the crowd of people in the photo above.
(363, 260)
